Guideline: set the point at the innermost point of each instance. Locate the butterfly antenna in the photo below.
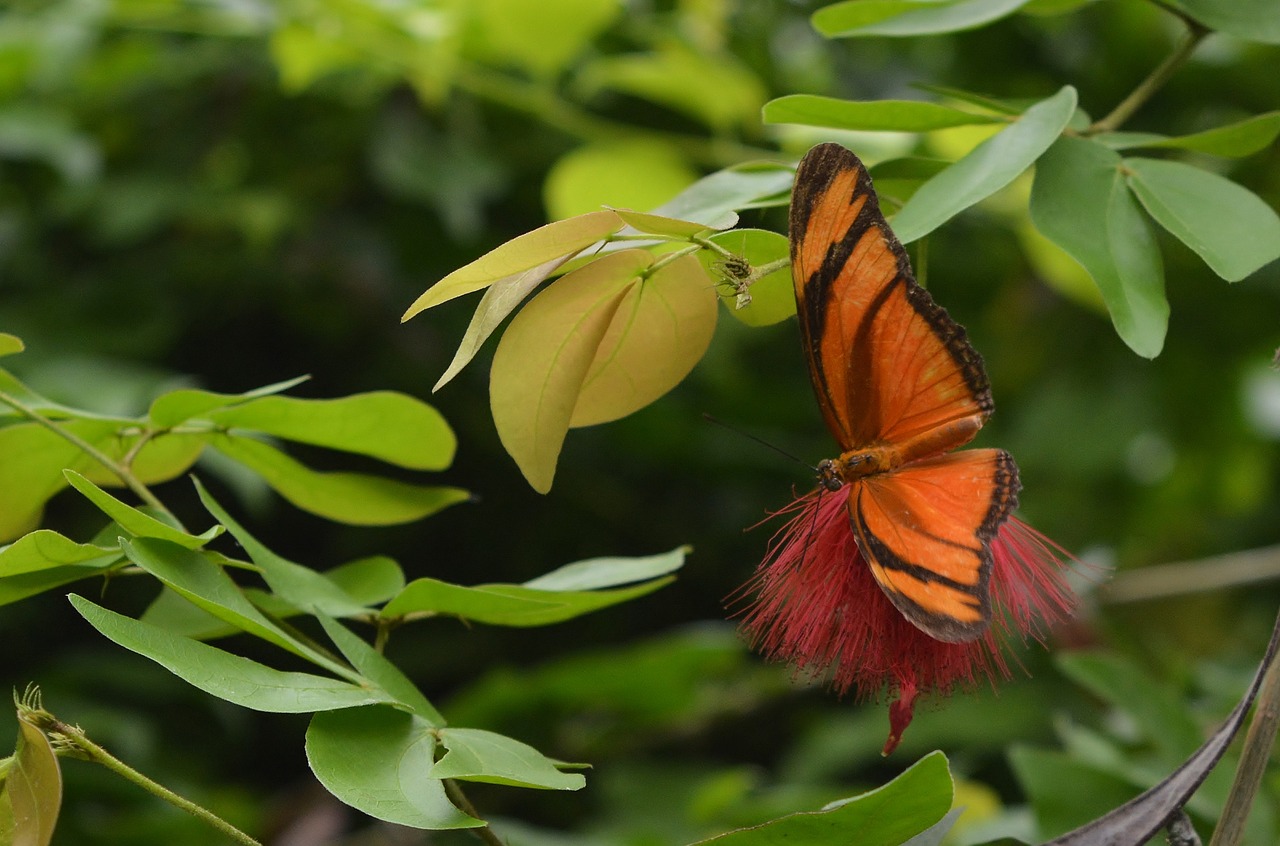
(710, 419)
(813, 525)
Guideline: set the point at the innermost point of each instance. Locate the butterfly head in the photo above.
(829, 475)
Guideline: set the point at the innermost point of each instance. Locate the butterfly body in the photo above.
(899, 386)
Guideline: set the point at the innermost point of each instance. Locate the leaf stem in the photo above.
(72, 740)
(667, 259)
(459, 798)
(121, 471)
(1154, 81)
(1258, 741)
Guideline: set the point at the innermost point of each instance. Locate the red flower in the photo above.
(819, 608)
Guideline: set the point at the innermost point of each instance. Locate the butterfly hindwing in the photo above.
(887, 362)
(926, 529)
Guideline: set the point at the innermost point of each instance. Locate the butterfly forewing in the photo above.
(887, 362)
(926, 530)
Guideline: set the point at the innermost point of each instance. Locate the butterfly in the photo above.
(900, 386)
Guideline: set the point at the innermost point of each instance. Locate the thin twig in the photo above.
(1153, 83)
(1258, 742)
(72, 740)
(455, 792)
(1187, 577)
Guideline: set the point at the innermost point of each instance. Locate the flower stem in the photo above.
(121, 471)
(1253, 762)
(1154, 81)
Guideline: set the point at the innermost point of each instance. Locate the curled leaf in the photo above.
(555, 240)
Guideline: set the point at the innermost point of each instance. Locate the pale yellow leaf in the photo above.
(545, 354)
(660, 331)
(562, 238)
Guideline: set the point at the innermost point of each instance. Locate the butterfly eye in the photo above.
(829, 475)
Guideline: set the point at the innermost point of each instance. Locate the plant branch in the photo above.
(1185, 577)
(1258, 742)
(1154, 81)
(121, 471)
(454, 790)
(69, 739)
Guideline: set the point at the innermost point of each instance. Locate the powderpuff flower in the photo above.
(818, 607)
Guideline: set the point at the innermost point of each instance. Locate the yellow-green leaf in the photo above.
(636, 173)
(10, 344)
(499, 300)
(562, 238)
(34, 788)
(660, 331)
(656, 224)
(770, 299)
(357, 499)
(545, 354)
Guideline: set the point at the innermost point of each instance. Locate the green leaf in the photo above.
(31, 462)
(772, 297)
(32, 789)
(1064, 792)
(716, 89)
(630, 172)
(356, 499)
(203, 583)
(555, 240)
(32, 459)
(15, 588)
(660, 330)
(44, 549)
(1235, 140)
(174, 407)
(1125, 140)
(909, 17)
(507, 605)
(300, 586)
(365, 582)
(378, 760)
(376, 668)
(392, 427)
(886, 816)
(595, 573)
(233, 678)
(655, 224)
(135, 522)
(1137, 820)
(542, 39)
(743, 186)
(991, 165)
(1252, 20)
(897, 180)
(499, 300)
(868, 115)
(545, 355)
(369, 581)
(1227, 225)
(477, 755)
(10, 344)
(1157, 711)
(1080, 202)
(984, 101)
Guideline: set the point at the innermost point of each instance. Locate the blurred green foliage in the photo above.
(227, 194)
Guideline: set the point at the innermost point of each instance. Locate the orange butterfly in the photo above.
(899, 386)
